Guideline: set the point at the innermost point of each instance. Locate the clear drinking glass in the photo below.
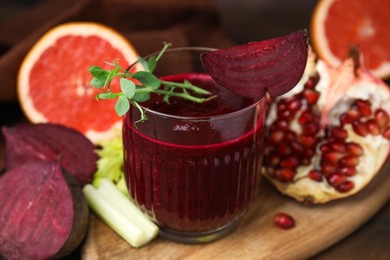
(194, 168)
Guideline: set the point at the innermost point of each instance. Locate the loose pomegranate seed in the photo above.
(381, 118)
(338, 133)
(363, 106)
(360, 128)
(284, 220)
(354, 149)
(273, 159)
(345, 186)
(349, 161)
(312, 82)
(311, 96)
(372, 127)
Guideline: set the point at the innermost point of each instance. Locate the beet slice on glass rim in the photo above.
(275, 65)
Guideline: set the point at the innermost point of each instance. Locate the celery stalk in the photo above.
(111, 214)
(129, 209)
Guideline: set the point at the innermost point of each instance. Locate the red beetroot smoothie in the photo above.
(195, 175)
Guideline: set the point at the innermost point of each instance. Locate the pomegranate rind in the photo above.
(338, 87)
(275, 65)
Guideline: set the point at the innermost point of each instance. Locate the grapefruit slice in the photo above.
(251, 69)
(336, 25)
(54, 82)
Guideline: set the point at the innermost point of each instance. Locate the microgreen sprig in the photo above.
(133, 93)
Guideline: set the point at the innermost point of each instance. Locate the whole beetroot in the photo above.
(47, 142)
(43, 212)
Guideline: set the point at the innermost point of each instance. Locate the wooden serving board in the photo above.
(256, 237)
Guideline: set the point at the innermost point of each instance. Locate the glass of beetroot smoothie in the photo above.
(194, 168)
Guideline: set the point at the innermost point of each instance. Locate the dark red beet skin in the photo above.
(48, 142)
(39, 210)
(250, 70)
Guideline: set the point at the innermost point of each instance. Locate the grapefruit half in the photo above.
(336, 25)
(53, 82)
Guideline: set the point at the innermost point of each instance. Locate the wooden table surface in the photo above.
(247, 20)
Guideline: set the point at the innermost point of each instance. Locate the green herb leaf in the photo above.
(144, 63)
(127, 87)
(122, 105)
(141, 97)
(152, 63)
(98, 83)
(98, 72)
(106, 95)
(147, 79)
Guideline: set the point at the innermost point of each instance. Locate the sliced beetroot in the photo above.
(275, 65)
(43, 212)
(47, 142)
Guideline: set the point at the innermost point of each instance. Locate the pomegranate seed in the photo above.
(305, 117)
(285, 114)
(349, 117)
(354, 149)
(386, 133)
(289, 162)
(289, 136)
(310, 128)
(308, 153)
(280, 124)
(372, 127)
(336, 179)
(270, 171)
(345, 186)
(307, 141)
(360, 128)
(311, 83)
(305, 161)
(381, 118)
(324, 148)
(332, 157)
(284, 149)
(285, 175)
(328, 169)
(276, 136)
(273, 159)
(294, 104)
(338, 133)
(349, 161)
(348, 171)
(284, 221)
(338, 147)
(297, 148)
(311, 96)
(315, 175)
(363, 106)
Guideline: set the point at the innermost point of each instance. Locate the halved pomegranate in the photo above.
(329, 136)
